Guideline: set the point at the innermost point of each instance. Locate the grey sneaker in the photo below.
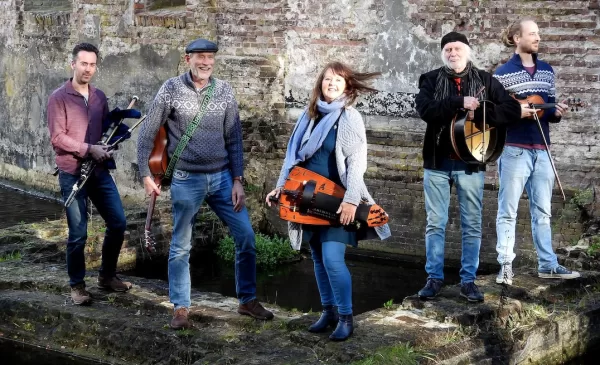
(79, 295)
(505, 275)
(559, 272)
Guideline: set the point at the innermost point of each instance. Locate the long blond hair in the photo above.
(514, 28)
(356, 83)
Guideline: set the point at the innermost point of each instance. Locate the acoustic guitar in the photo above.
(158, 162)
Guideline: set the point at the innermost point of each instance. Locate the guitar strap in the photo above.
(189, 132)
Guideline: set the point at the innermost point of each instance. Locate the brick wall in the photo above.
(271, 52)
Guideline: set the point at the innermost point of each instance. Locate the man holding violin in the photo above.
(525, 161)
(206, 154)
(76, 111)
(444, 92)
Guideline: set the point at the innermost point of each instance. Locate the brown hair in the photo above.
(356, 83)
(514, 29)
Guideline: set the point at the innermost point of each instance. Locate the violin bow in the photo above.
(483, 147)
(539, 125)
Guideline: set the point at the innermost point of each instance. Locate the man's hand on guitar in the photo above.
(561, 109)
(471, 103)
(150, 186)
(275, 192)
(346, 212)
(238, 197)
(100, 153)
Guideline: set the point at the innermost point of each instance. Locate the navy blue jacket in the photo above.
(438, 114)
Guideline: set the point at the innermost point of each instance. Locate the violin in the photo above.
(158, 162)
(535, 101)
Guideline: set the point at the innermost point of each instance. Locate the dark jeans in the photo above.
(102, 191)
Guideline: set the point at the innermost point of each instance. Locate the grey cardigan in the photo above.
(351, 161)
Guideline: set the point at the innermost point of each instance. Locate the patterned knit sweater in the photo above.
(513, 76)
(351, 162)
(217, 142)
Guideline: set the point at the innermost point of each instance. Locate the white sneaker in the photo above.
(505, 275)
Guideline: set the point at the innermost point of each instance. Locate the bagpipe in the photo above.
(309, 198)
(114, 132)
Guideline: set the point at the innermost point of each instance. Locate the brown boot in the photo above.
(255, 309)
(114, 284)
(180, 319)
(79, 295)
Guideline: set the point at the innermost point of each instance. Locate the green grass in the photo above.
(594, 247)
(186, 332)
(402, 354)
(270, 251)
(389, 304)
(13, 256)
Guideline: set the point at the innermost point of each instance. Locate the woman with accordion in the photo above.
(329, 139)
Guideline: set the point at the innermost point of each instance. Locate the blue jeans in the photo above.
(469, 187)
(530, 169)
(333, 278)
(188, 191)
(103, 193)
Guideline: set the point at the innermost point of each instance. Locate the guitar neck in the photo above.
(150, 211)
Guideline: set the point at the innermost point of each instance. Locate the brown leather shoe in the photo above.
(114, 284)
(79, 295)
(255, 309)
(180, 319)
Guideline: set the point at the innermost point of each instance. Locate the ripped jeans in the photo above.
(530, 169)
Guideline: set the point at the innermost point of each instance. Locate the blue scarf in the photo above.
(304, 143)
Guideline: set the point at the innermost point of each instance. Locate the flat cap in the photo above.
(201, 45)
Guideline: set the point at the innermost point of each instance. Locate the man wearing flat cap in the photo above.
(443, 92)
(206, 161)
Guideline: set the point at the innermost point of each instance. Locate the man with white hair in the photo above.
(443, 92)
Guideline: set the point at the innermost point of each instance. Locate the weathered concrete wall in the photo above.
(271, 52)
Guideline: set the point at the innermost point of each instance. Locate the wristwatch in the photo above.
(239, 178)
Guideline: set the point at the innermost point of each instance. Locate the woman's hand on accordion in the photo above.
(346, 212)
(276, 192)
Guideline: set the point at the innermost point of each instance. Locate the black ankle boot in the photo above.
(344, 328)
(329, 317)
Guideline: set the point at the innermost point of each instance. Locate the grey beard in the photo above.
(196, 75)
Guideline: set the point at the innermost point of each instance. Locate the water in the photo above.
(16, 352)
(18, 207)
(293, 286)
(590, 358)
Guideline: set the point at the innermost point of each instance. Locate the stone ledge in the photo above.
(49, 18)
(162, 18)
(535, 321)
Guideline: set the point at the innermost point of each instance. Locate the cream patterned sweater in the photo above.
(351, 161)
